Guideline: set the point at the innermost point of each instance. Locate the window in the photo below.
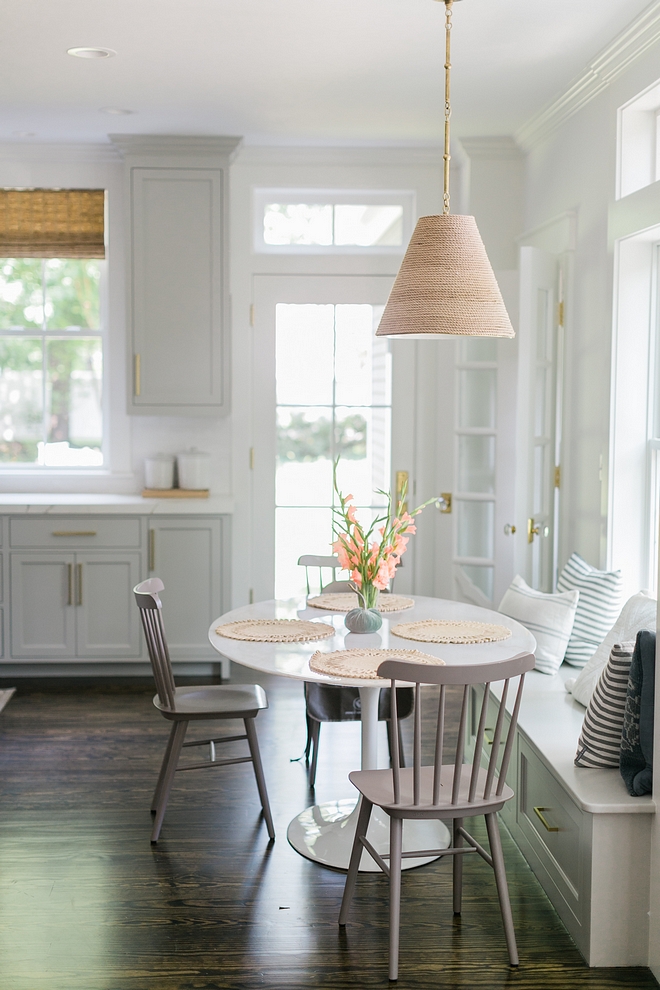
(51, 362)
(326, 221)
(51, 353)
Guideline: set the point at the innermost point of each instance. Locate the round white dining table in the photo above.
(324, 832)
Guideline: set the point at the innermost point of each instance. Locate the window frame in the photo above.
(33, 468)
(261, 197)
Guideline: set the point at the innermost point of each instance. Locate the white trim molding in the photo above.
(610, 62)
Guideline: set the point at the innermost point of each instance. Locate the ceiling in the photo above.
(344, 72)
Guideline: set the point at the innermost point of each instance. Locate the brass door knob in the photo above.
(509, 530)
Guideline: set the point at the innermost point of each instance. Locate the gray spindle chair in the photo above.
(450, 792)
(181, 705)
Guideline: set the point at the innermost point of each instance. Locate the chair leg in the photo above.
(396, 835)
(176, 742)
(502, 886)
(308, 742)
(457, 842)
(163, 768)
(356, 855)
(253, 743)
(316, 732)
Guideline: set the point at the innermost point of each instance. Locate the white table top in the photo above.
(292, 659)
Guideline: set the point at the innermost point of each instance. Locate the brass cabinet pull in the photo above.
(80, 600)
(74, 532)
(152, 549)
(69, 572)
(402, 488)
(138, 383)
(539, 813)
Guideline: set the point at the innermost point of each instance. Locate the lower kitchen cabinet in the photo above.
(66, 584)
(188, 556)
(74, 605)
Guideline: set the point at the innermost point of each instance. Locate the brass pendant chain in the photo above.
(447, 156)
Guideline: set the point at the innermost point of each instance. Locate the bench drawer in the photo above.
(553, 824)
(73, 532)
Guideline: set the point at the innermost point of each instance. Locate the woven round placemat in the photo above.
(275, 630)
(451, 631)
(364, 663)
(344, 601)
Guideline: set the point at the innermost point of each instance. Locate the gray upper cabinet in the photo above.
(177, 195)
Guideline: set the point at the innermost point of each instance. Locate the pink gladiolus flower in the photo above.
(356, 578)
(350, 512)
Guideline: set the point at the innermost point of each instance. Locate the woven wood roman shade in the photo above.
(52, 223)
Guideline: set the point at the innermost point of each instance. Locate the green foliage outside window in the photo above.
(305, 440)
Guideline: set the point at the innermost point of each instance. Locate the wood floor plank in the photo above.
(86, 903)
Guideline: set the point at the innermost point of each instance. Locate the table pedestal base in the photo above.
(324, 833)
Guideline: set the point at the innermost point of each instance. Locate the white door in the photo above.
(482, 506)
(324, 387)
(539, 418)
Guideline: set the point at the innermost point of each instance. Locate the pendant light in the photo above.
(446, 284)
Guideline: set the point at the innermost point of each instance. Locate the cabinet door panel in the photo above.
(106, 613)
(42, 620)
(177, 286)
(187, 558)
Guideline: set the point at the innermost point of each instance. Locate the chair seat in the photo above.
(215, 701)
(378, 788)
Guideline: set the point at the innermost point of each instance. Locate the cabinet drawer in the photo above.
(552, 822)
(71, 532)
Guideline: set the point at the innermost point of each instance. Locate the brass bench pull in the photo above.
(539, 813)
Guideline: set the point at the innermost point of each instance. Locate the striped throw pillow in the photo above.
(600, 740)
(548, 617)
(598, 608)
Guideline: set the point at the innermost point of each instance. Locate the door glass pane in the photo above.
(476, 464)
(298, 531)
(482, 577)
(21, 398)
(304, 455)
(475, 528)
(304, 354)
(363, 443)
(477, 398)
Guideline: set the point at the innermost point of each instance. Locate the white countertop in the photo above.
(552, 720)
(60, 503)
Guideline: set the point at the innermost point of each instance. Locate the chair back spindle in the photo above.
(472, 783)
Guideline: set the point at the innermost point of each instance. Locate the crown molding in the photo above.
(611, 61)
(502, 148)
(44, 153)
(334, 155)
(170, 145)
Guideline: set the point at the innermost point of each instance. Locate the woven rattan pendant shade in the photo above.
(445, 284)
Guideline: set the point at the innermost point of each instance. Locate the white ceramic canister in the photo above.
(159, 471)
(194, 469)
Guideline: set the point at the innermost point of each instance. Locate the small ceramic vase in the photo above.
(365, 619)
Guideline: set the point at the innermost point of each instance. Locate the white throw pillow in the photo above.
(639, 612)
(598, 608)
(548, 617)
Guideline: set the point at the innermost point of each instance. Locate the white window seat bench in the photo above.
(587, 841)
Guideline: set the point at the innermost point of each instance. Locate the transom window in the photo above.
(51, 362)
(313, 221)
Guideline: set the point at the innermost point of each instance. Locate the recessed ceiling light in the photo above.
(116, 110)
(91, 52)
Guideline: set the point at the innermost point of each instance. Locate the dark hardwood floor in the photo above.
(87, 904)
